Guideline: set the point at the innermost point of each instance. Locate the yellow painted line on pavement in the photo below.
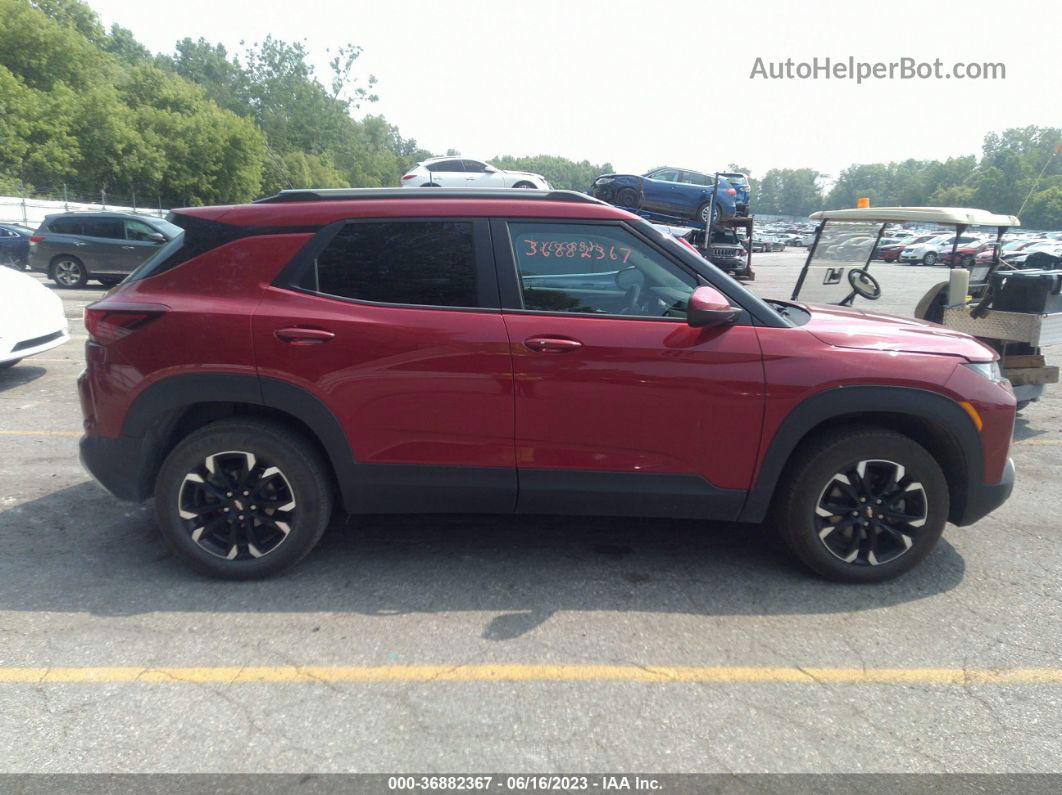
(382, 674)
(40, 433)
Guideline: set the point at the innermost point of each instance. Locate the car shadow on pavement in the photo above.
(1024, 429)
(19, 375)
(80, 550)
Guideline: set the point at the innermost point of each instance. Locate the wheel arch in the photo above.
(933, 420)
(170, 409)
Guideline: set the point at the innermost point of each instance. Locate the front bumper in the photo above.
(983, 498)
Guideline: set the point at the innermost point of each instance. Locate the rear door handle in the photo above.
(552, 344)
(303, 336)
(129, 248)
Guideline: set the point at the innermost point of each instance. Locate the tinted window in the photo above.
(474, 166)
(66, 226)
(446, 165)
(596, 269)
(138, 230)
(5, 233)
(195, 236)
(427, 263)
(103, 227)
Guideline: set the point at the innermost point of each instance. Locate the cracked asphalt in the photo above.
(85, 583)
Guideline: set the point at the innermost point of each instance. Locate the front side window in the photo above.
(596, 269)
(665, 175)
(475, 166)
(424, 263)
(138, 230)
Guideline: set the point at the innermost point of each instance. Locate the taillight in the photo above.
(731, 192)
(36, 238)
(408, 176)
(107, 324)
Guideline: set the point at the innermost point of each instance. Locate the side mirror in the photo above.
(709, 307)
(157, 237)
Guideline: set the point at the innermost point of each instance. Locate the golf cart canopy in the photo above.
(845, 240)
(951, 216)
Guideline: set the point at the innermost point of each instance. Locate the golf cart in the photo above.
(1016, 312)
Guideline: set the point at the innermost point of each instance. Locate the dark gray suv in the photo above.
(75, 247)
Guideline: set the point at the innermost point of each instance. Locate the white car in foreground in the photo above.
(32, 320)
(453, 172)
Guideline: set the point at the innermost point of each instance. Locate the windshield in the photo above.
(842, 246)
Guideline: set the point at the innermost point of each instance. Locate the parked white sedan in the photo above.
(452, 172)
(32, 320)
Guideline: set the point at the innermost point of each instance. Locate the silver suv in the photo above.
(75, 247)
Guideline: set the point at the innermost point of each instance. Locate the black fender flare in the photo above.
(943, 413)
(166, 397)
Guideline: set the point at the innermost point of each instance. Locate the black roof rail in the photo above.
(351, 194)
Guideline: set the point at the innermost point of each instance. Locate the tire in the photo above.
(704, 213)
(430, 185)
(68, 272)
(286, 470)
(864, 552)
(8, 365)
(929, 258)
(628, 197)
(967, 261)
(524, 185)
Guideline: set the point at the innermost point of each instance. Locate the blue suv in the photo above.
(668, 191)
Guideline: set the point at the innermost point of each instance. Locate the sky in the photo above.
(654, 83)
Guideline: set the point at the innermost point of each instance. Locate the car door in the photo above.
(448, 173)
(621, 407)
(479, 175)
(141, 241)
(659, 190)
(100, 245)
(393, 326)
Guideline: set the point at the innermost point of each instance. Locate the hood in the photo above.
(524, 173)
(25, 304)
(844, 327)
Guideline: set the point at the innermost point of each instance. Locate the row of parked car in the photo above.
(930, 248)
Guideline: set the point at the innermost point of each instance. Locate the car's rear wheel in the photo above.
(430, 185)
(929, 258)
(862, 506)
(69, 272)
(627, 197)
(243, 499)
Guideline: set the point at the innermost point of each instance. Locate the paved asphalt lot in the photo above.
(467, 643)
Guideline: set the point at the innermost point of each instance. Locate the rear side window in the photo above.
(446, 165)
(111, 228)
(199, 236)
(66, 226)
(423, 263)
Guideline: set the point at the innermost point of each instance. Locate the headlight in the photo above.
(989, 370)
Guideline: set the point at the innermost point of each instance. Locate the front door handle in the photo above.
(129, 248)
(303, 336)
(552, 344)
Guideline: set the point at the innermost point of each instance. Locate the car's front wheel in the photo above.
(69, 272)
(244, 498)
(628, 197)
(862, 506)
(930, 258)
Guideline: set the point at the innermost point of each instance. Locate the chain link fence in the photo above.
(29, 207)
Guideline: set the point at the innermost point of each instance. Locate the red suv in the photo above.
(424, 351)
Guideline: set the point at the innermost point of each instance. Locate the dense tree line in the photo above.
(1015, 164)
(96, 110)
